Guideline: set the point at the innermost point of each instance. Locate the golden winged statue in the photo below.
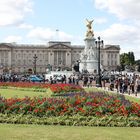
(89, 26)
(89, 23)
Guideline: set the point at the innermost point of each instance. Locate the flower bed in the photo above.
(86, 104)
(92, 109)
(55, 88)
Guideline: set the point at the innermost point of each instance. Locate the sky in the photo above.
(117, 22)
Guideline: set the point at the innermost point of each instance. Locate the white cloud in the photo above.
(127, 36)
(13, 12)
(100, 20)
(101, 4)
(120, 33)
(124, 9)
(13, 38)
(47, 34)
(41, 33)
(25, 26)
(124, 34)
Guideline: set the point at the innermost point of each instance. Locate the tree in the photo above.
(127, 59)
(137, 62)
(123, 60)
(131, 58)
(76, 66)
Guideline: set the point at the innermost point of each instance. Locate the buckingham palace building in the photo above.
(25, 58)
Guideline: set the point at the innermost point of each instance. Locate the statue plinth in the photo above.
(89, 56)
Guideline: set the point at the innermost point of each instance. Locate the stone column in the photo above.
(9, 59)
(68, 59)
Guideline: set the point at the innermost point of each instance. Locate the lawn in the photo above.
(46, 132)
(42, 132)
(8, 93)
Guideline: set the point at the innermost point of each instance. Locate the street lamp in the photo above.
(76, 66)
(35, 59)
(99, 42)
(1, 69)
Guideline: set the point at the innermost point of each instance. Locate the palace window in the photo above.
(18, 55)
(19, 69)
(108, 55)
(18, 62)
(108, 63)
(6, 61)
(2, 60)
(2, 55)
(30, 61)
(24, 61)
(40, 61)
(112, 62)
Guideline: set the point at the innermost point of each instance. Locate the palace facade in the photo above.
(25, 58)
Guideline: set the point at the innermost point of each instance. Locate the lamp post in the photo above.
(99, 42)
(1, 69)
(35, 59)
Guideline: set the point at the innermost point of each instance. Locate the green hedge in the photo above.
(76, 120)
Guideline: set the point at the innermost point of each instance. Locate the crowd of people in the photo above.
(10, 78)
(126, 83)
(120, 83)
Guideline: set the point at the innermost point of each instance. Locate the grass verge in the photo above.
(8, 93)
(42, 132)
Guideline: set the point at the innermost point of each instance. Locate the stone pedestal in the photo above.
(89, 56)
(92, 66)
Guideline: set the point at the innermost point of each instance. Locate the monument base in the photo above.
(90, 65)
(89, 59)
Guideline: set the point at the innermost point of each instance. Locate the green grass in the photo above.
(42, 132)
(8, 93)
(46, 132)
(134, 99)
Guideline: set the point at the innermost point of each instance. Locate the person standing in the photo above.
(137, 84)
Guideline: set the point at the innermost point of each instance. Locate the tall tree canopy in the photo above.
(127, 59)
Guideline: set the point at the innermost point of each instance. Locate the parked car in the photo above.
(34, 78)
